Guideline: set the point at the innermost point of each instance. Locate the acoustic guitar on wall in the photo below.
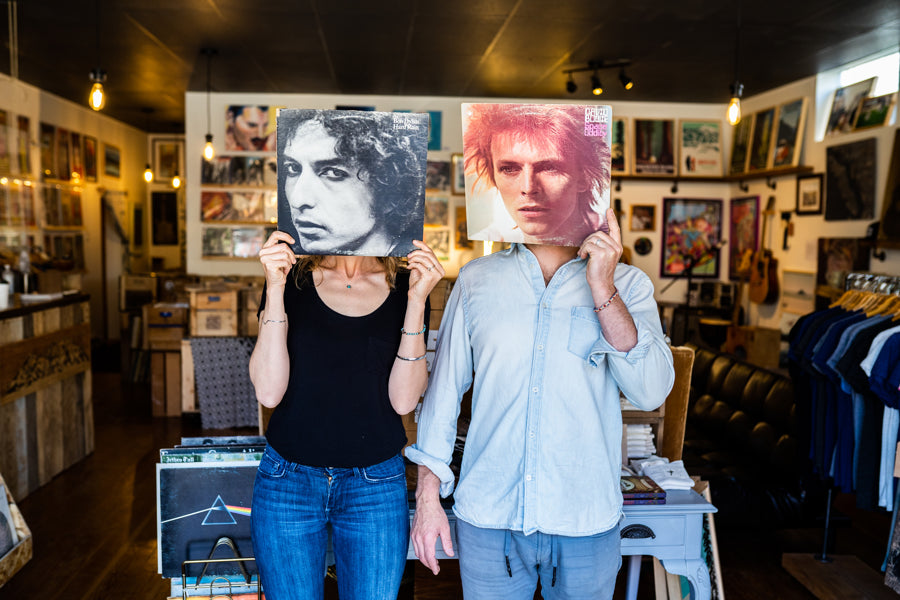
(763, 287)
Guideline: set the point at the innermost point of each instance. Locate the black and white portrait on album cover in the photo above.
(351, 182)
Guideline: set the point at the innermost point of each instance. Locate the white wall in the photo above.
(803, 245)
(19, 98)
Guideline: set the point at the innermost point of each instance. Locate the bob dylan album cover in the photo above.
(536, 173)
(351, 182)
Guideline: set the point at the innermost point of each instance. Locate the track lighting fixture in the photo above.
(595, 66)
(596, 86)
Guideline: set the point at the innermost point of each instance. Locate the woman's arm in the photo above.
(269, 363)
(409, 377)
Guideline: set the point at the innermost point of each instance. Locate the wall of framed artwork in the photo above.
(845, 106)
(743, 233)
(760, 154)
(700, 148)
(809, 194)
(655, 151)
(619, 147)
(167, 158)
(790, 120)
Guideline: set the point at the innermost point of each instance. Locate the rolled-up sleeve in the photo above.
(451, 376)
(645, 374)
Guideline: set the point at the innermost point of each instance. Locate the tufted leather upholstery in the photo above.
(742, 435)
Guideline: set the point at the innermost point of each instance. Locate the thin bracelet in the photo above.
(265, 321)
(607, 303)
(420, 332)
(411, 359)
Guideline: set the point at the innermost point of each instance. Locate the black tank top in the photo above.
(336, 411)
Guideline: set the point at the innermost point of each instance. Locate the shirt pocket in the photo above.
(584, 331)
(389, 470)
(380, 355)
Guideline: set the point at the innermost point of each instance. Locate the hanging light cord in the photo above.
(13, 39)
(209, 54)
(737, 46)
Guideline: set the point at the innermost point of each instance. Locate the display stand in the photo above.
(15, 559)
(218, 585)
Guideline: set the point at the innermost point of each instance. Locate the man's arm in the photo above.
(430, 521)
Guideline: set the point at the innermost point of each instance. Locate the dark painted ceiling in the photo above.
(681, 51)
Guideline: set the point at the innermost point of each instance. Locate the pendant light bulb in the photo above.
(176, 181)
(209, 152)
(734, 107)
(97, 97)
(148, 174)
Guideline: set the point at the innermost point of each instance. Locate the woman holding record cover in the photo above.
(340, 356)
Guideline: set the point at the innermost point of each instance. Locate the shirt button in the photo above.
(531, 435)
(528, 478)
(535, 390)
(540, 347)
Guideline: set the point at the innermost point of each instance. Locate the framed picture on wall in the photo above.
(642, 217)
(760, 157)
(620, 163)
(875, 112)
(457, 174)
(48, 150)
(889, 232)
(809, 194)
(77, 156)
(692, 229)
(789, 124)
(23, 144)
(850, 181)
(740, 145)
(654, 147)
(164, 209)
(63, 153)
(167, 158)
(743, 236)
(90, 158)
(111, 159)
(845, 106)
(700, 148)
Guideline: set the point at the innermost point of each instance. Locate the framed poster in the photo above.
(743, 235)
(436, 210)
(90, 158)
(437, 176)
(692, 229)
(77, 157)
(434, 130)
(48, 150)
(740, 146)
(167, 158)
(24, 144)
(63, 153)
(642, 217)
(809, 194)
(845, 106)
(458, 174)
(700, 148)
(462, 237)
(789, 124)
(850, 181)
(164, 211)
(620, 157)
(110, 160)
(249, 127)
(760, 157)
(654, 147)
(875, 112)
(889, 232)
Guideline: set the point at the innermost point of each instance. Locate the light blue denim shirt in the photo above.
(543, 450)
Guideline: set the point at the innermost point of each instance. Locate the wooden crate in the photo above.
(217, 299)
(164, 325)
(214, 323)
(188, 389)
(135, 291)
(165, 383)
(21, 553)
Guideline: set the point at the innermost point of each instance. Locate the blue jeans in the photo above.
(499, 564)
(367, 510)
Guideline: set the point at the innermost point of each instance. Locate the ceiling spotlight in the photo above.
(570, 85)
(596, 87)
(627, 82)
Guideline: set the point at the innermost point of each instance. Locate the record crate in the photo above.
(21, 553)
(213, 312)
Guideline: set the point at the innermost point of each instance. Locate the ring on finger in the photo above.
(431, 267)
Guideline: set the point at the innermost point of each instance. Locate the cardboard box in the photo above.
(165, 383)
(213, 323)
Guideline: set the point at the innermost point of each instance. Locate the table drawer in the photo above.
(647, 531)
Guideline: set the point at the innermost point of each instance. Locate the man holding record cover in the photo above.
(547, 334)
(340, 352)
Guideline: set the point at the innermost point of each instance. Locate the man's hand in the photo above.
(430, 521)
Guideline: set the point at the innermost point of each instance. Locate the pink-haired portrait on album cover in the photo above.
(536, 173)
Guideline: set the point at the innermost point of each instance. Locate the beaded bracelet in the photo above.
(411, 359)
(420, 332)
(607, 303)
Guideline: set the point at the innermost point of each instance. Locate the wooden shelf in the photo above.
(766, 174)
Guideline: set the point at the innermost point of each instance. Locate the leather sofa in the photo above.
(744, 434)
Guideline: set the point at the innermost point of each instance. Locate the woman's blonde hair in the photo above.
(311, 262)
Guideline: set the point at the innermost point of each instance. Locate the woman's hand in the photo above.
(425, 271)
(277, 258)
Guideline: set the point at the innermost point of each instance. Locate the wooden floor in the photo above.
(94, 525)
